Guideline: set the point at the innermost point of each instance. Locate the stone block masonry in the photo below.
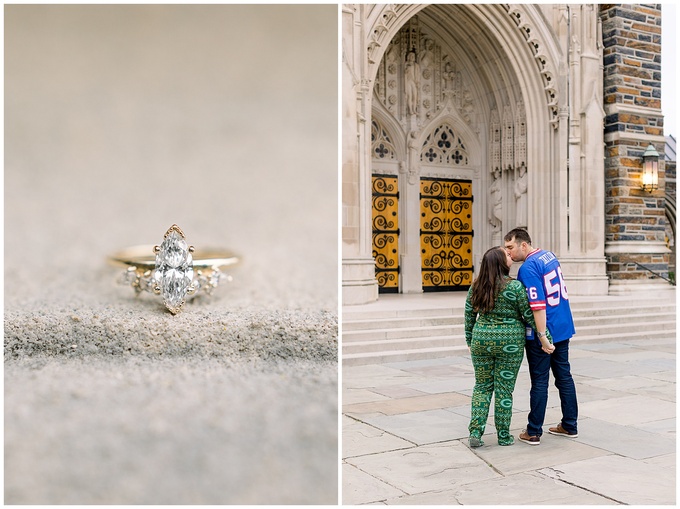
(635, 220)
(632, 66)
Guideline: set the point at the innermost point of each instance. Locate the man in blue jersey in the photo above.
(542, 275)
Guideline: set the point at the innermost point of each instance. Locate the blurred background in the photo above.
(121, 120)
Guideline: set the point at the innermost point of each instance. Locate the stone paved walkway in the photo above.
(404, 433)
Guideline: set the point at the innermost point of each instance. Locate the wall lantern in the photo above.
(650, 169)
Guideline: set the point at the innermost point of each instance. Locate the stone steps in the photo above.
(629, 323)
(410, 333)
(588, 308)
(640, 331)
(357, 327)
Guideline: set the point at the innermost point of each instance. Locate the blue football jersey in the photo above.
(542, 275)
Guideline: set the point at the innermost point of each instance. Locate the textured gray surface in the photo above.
(102, 431)
(120, 121)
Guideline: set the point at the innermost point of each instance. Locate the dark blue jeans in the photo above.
(540, 364)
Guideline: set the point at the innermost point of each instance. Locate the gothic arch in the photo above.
(521, 31)
(519, 54)
(382, 144)
(468, 136)
(393, 129)
(519, 61)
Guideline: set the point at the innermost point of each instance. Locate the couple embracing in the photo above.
(503, 317)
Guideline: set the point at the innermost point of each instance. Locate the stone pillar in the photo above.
(634, 219)
(584, 259)
(358, 267)
(411, 261)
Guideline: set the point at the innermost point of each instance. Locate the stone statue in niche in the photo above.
(466, 105)
(521, 186)
(413, 158)
(391, 58)
(496, 201)
(412, 82)
(426, 56)
(448, 75)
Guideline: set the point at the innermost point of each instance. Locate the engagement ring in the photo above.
(174, 270)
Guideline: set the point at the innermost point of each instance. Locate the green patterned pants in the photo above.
(496, 362)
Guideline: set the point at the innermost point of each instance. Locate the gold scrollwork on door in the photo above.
(446, 234)
(386, 232)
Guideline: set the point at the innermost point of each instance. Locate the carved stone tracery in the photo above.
(440, 81)
(507, 152)
(508, 144)
(444, 146)
(520, 136)
(382, 147)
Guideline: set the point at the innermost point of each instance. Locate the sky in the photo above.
(669, 68)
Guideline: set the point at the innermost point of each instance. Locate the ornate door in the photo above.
(386, 232)
(446, 234)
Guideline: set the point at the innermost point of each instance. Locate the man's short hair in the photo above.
(519, 235)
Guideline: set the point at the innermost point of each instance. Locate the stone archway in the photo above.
(507, 58)
(427, 81)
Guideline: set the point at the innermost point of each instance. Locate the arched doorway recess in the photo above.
(490, 74)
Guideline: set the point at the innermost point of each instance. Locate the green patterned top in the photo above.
(508, 317)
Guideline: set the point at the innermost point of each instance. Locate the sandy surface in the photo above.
(120, 121)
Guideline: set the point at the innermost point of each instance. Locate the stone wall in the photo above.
(635, 219)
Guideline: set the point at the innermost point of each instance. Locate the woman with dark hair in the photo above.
(497, 313)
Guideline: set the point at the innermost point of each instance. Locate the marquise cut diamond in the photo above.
(178, 272)
(174, 270)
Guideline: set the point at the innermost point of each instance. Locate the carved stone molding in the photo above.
(377, 37)
(495, 141)
(508, 143)
(545, 68)
(520, 136)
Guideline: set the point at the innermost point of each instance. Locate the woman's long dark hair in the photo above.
(493, 271)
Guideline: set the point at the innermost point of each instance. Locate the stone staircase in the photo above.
(411, 327)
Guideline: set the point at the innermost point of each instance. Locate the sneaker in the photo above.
(560, 431)
(475, 442)
(529, 439)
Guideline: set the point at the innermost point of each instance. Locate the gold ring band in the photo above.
(142, 257)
